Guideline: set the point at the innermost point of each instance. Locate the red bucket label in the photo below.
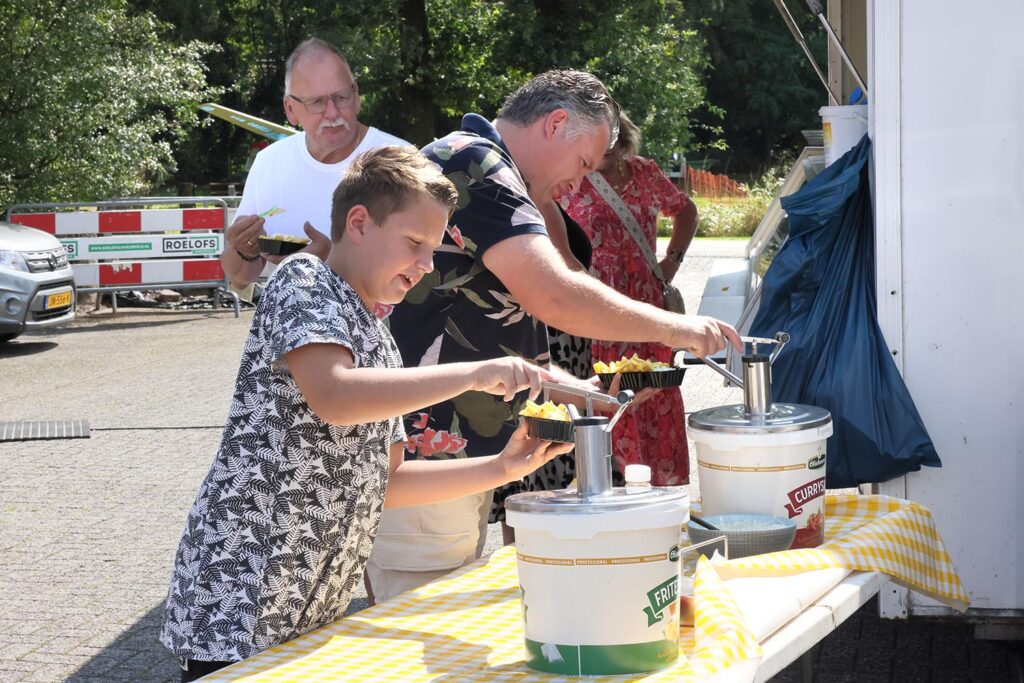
(806, 504)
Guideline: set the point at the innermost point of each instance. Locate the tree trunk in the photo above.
(416, 124)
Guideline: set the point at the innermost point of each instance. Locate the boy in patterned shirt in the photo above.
(280, 531)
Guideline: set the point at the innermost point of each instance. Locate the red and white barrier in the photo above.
(166, 271)
(98, 222)
(137, 247)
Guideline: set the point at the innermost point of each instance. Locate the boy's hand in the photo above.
(523, 454)
(508, 376)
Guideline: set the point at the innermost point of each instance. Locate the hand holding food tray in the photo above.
(639, 373)
(281, 245)
(548, 421)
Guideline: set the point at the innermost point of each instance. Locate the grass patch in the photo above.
(724, 217)
(737, 217)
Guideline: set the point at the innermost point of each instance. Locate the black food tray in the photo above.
(272, 247)
(550, 430)
(656, 379)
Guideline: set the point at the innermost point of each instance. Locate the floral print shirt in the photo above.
(279, 533)
(462, 311)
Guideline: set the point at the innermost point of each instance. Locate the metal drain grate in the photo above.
(46, 429)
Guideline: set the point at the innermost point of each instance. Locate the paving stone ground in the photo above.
(88, 527)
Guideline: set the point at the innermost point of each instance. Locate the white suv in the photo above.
(37, 287)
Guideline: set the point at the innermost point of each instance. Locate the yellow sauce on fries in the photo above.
(634, 364)
(546, 410)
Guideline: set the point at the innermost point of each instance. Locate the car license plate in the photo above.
(58, 300)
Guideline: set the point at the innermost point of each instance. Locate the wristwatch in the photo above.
(676, 256)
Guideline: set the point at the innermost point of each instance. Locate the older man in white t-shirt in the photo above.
(290, 184)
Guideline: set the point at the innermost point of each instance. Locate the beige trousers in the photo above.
(416, 545)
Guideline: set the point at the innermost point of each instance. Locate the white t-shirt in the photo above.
(286, 176)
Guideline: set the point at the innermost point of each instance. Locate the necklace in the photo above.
(618, 175)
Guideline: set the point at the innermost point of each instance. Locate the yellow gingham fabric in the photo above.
(468, 626)
(870, 533)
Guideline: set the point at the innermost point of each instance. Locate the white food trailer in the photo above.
(947, 122)
(946, 118)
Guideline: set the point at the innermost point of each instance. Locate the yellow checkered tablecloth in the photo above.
(468, 626)
(870, 533)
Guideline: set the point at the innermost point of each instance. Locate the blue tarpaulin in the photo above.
(820, 288)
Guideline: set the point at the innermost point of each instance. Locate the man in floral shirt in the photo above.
(497, 280)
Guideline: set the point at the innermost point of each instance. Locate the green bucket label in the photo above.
(600, 660)
(660, 597)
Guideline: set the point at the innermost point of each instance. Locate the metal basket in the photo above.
(766, 534)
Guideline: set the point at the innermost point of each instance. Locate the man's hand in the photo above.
(508, 376)
(703, 336)
(524, 454)
(242, 235)
(639, 396)
(319, 245)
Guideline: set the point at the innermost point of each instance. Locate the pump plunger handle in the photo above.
(722, 371)
(624, 397)
(781, 339)
(621, 399)
(594, 439)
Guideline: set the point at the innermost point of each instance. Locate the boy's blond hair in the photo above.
(386, 180)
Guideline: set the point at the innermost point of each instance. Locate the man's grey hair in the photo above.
(308, 48)
(579, 93)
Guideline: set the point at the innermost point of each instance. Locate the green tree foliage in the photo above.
(99, 90)
(421, 64)
(91, 100)
(641, 50)
(762, 88)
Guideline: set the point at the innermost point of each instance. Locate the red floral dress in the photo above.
(653, 433)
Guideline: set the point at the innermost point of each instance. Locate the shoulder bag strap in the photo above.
(628, 220)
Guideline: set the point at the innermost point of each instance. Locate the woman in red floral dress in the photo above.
(654, 432)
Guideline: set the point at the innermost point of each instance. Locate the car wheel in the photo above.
(4, 338)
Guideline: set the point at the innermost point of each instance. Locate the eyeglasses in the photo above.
(318, 105)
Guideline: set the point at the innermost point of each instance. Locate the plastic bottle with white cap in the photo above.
(638, 478)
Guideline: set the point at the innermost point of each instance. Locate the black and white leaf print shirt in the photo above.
(283, 523)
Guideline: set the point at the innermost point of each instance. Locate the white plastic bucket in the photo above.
(600, 591)
(780, 474)
(842, 128)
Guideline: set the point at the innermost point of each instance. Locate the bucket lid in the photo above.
(618, 499)
(783, 417)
